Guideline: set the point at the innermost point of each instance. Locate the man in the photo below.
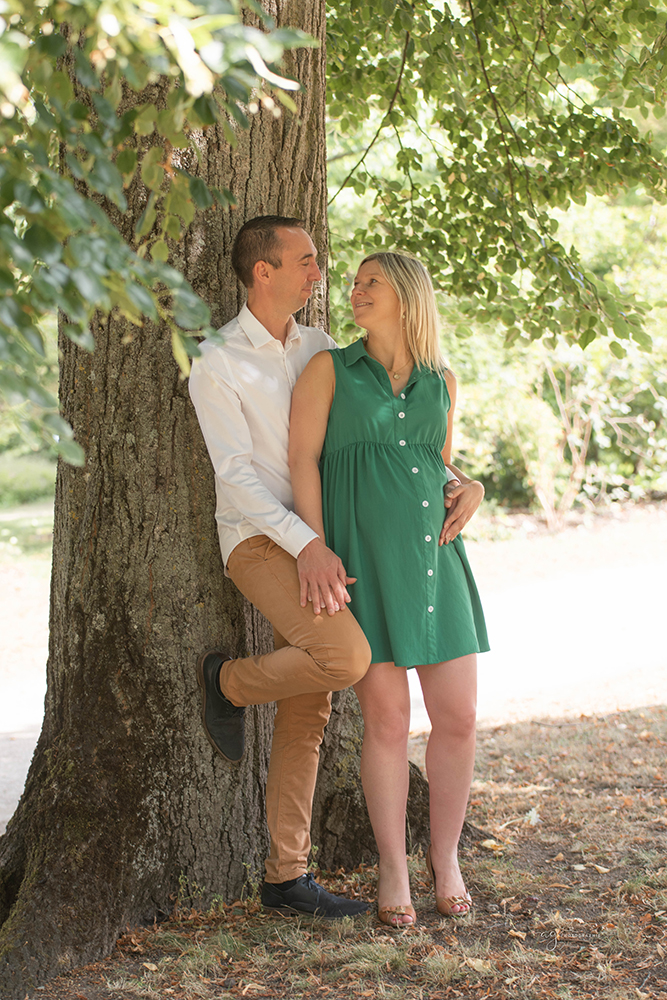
(241, 392)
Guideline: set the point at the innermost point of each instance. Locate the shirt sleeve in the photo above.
(229, 443)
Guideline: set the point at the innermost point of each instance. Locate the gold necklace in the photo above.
(395, 372)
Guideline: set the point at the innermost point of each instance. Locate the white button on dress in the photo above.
(402, 444)
(415, 469)
(401, 414)
(424, 503)
(427, 538)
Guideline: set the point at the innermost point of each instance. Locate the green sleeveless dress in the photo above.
(382, 495)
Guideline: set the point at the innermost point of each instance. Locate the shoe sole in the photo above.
(202, 684)
(290, 911)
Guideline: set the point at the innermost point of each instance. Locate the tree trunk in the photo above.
(126, 806)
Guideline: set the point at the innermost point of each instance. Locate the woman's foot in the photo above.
(394, 885)
(459, 903)
(397, 916)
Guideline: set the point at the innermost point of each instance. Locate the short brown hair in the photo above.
(257, 240)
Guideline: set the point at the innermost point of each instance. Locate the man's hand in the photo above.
(322, 578)
(461, 501)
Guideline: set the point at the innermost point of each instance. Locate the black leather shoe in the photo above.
(223, 722)
(309, 897)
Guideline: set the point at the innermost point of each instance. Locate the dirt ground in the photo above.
(566, 860)
(566, 853)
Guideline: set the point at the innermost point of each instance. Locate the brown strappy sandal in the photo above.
(445, 904)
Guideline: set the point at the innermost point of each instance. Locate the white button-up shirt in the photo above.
(242, 392)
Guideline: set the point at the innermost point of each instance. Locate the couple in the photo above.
(368, 452)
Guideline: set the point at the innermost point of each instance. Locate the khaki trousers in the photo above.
(314, 655)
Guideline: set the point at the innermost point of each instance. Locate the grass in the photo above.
(26, 478)
(26, 531)
(569, 882)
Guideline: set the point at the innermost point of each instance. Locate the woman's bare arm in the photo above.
(321, 573)
(461, 501)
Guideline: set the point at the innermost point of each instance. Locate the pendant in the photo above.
(397, 375)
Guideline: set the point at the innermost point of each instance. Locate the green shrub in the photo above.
(26, 477)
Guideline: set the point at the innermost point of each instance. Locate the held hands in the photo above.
(322, 578)
(461, 501)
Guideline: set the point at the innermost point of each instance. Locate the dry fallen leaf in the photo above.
(517, 934)
(600, 870)
(150, 966)
(578, 868)
(491, 845)
(559, 857)
(479, 965)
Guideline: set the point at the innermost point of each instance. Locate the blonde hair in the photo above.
(412, 283)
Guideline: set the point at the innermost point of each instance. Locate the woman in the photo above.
(377, 417)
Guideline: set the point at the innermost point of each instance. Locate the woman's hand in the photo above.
(322, 578)
(461, 502)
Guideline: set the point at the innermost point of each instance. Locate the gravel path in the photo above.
(575, 623)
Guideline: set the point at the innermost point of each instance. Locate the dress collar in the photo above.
(356, 351)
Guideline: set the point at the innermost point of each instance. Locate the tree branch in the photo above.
(394, 96)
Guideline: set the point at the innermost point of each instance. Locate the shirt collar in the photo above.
(258, 335)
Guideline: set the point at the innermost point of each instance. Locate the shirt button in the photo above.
(402, 395)
(430, 572)
(424, 503)
(415, 469)
(401, 414)
(402, 444)
(430, 609)
(427, 538)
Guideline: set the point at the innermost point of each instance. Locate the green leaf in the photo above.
(105, 111)
(201, 195)
(80, 336)
(160, 251)
(18, 252)
(617, 349)
(58, 425)
(142, 299)
(43, 244)
(152, 174)
(90, 287)
(189, 311)
(206, 110)
(642, 338)
(179, 352)
(126, 162)
(144, 123)
(85, 73)
(71, 452)
(147, 218)
(172, 227)
(53, 45)
(107, 179)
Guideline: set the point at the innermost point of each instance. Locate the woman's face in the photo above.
(375, 304)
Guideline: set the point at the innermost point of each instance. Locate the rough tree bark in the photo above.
(125, 805)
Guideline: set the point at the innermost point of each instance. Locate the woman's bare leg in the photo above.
(450, 696)
(384, 697)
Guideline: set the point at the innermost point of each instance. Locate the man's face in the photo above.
(292, 284)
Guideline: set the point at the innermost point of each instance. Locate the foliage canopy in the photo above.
(79, 124)
(498, 113)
